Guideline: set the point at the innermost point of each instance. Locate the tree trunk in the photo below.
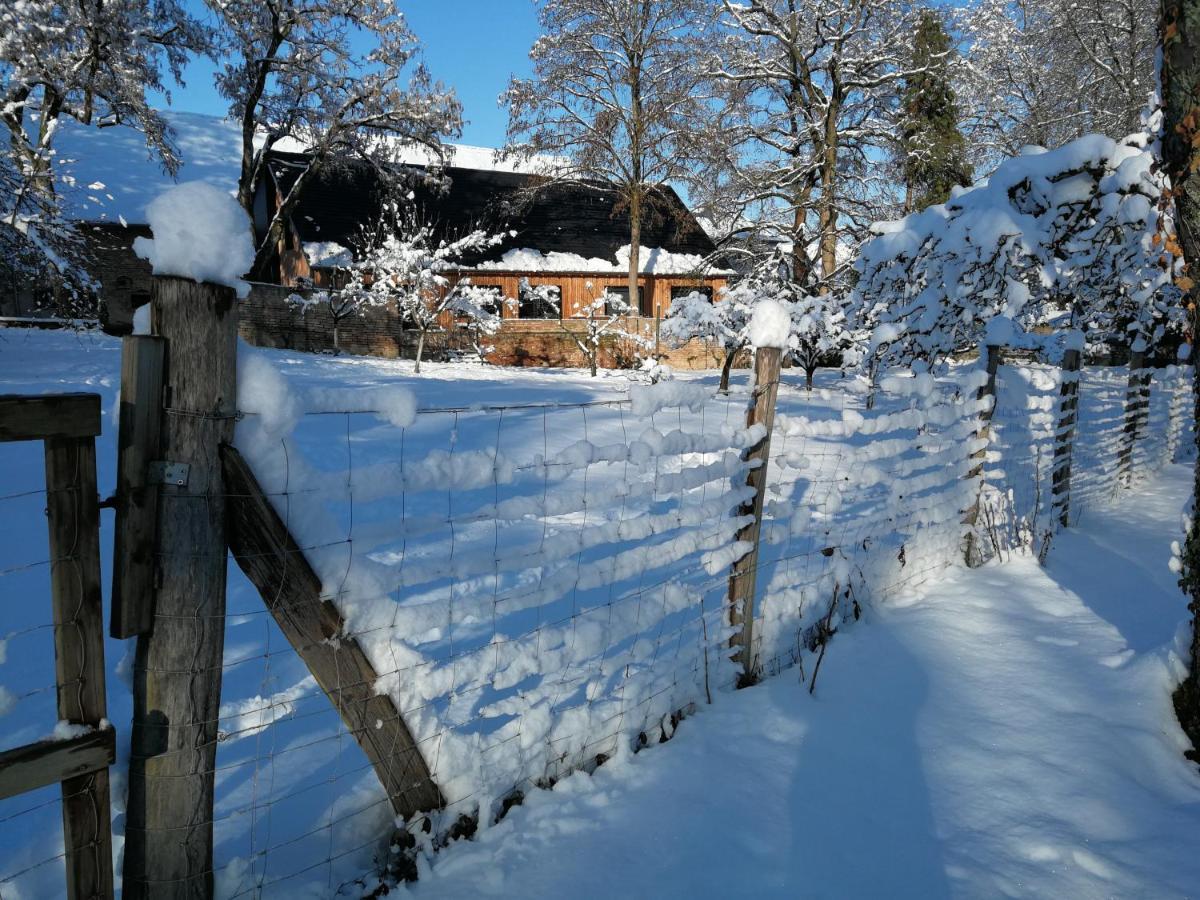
(828, 209)
(1180, 37)
(809, 372)
(635, 248)
(725, 367)
(420, 350)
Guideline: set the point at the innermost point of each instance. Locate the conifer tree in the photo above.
(932, 149)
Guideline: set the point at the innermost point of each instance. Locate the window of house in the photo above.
(643, 307)
(495, 293)
(682, 290)
(541, 301)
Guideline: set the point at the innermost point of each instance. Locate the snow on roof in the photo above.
(652, 261)
(115, 175)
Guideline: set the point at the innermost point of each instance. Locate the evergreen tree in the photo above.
(932, 149)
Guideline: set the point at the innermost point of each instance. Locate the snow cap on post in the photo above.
(200, 232)
(770, 325)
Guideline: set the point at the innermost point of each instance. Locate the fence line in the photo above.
(541, 586)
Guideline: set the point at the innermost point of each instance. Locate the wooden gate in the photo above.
(67, 425)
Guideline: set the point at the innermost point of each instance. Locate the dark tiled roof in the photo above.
(583, 219)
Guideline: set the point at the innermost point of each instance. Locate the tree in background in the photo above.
(92, 63)
(616, 97)
(932, 150)
(1045, 72)
(814, 83)
(293, 76)
(1180, 151)
(696, 317)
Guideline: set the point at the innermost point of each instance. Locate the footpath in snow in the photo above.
(1006, 732)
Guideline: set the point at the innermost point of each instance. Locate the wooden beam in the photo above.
(49, 762)
(744, 577)
(137, 498)
(73, 514)
(178, 666)
(25, 418)
(273, 561)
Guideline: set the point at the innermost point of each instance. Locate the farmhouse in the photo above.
(568, 237)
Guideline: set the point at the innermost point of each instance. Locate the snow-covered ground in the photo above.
(299, 812)
(1006, 732)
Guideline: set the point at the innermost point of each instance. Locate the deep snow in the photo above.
(1007, 732)
(886, 696)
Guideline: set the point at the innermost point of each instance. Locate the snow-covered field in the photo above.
(1006, 732)
(536, 562)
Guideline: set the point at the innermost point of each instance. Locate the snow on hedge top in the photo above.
(651, 261)
(770, 325)
(200, 232)
(1076, 224)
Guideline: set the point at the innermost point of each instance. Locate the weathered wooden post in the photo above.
(1064, 435)
(1137, 404)
(138, 439)
(743, 578)
(987, 390)
(177, 670)
(73, 514)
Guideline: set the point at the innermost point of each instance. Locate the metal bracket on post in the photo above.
(167, 472)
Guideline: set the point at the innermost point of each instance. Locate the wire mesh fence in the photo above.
(541, 586)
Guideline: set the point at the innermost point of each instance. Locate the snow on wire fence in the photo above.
(536, 587)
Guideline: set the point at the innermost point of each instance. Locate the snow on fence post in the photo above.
(1064, 434)
(988, 389)
(177, 669)
(138, 433)
(769, 330)
(1137, 406)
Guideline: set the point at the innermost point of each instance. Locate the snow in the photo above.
(539, 580)
(770, 325)
(651, 261)
(210, 148)
(1005, 731)
(200, 232)
(327, 253)
(65, 731)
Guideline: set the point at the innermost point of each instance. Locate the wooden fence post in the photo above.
(137, 494)
(177, 669)
(743, 578)
(1137, 405)
(72, 508)
(1064, 436)
(988, 389)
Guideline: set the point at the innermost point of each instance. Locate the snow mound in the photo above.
(651, 261)
(770, 325)
(200, 232)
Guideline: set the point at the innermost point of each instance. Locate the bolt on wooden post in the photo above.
(177, 668)
(743, 578)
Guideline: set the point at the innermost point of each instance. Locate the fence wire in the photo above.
(542, 586)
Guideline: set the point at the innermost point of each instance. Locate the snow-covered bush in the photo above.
(696, 316)
(407, 265)
(1077, 228)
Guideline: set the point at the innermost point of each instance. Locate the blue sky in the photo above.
(473, 45)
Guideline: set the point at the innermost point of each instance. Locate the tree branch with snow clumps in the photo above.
(1077, 228)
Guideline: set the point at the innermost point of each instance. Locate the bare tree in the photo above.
(293, 74)
(617, 95)
(92, 63)
(1045, 72)
(816, 82)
